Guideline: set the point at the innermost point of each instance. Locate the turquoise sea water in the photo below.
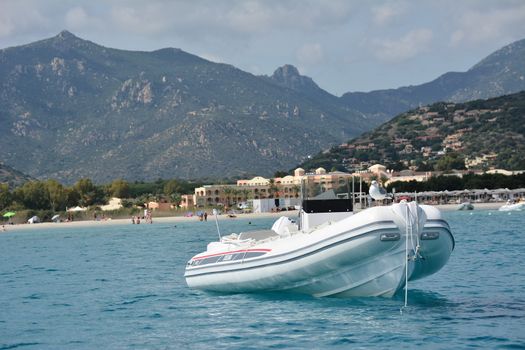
(121, 287)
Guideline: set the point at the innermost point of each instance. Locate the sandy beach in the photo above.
(156, 220)
(175, 219)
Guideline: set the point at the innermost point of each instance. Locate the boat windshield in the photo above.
(330, 195)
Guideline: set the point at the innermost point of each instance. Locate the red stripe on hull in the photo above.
(231, 252)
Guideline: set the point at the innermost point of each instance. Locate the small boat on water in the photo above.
(511, 206)
(466, 206)
(329, 251)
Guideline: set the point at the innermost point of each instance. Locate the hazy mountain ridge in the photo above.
(498, 74)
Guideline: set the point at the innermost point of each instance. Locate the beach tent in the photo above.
(77, 208)
(34, 220)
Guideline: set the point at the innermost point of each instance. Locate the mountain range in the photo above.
(502, 72)
(70, 108)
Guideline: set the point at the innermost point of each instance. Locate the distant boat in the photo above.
(329, 251)
(510, 206)
(466, 206)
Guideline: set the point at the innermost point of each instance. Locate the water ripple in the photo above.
(123, 287)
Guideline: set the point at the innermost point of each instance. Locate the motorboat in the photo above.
(511, 206)
(329, 250)
(466, 206)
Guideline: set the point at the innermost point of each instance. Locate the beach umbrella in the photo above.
(9, 214)
(55, 218)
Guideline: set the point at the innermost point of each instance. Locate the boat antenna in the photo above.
(301, 199)
(360, 192)
(353, 193)
(217, 223)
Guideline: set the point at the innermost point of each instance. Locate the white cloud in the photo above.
(476, 27)
(20, 17)
(387, 13)
(252, 16)
(310, 54)
(267, 16)
(149, 19)
(406, 47)
(259, 35)
(76, 18)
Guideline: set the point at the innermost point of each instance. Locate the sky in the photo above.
(344, 45)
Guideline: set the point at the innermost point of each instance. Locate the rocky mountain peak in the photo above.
(66, 35)
(286, 72)
(289, 76)
(66, 41)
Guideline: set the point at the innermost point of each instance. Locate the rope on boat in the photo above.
(408, 231)
(411, 216)
(217, 224)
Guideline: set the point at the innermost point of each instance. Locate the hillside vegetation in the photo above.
(443, 136)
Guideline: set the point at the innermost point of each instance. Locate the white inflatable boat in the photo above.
(329, 251)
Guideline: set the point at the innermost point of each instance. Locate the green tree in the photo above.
(176, 198)
(228, 192)
(72, 197)
(280, 173)
(57, 195)
(451, 161)
(33, 195)
(246, 194)
(119, 188)
(6, 197)
(89, 193)
(172, 187)
(273, 189)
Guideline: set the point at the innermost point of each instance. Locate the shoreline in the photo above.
(160, 219)
(175, 219)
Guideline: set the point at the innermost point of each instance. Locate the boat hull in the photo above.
(345, 259)
(513, 207)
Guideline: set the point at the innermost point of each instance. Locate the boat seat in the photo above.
(257, 235)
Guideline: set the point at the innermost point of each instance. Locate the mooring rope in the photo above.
(408, 232)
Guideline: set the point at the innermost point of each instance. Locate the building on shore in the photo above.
(187, 201)
(286, 187)
(161, 206)
(289, 187)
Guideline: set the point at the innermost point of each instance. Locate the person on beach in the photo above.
(133, 219)
(205, 216)
(149, 217)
